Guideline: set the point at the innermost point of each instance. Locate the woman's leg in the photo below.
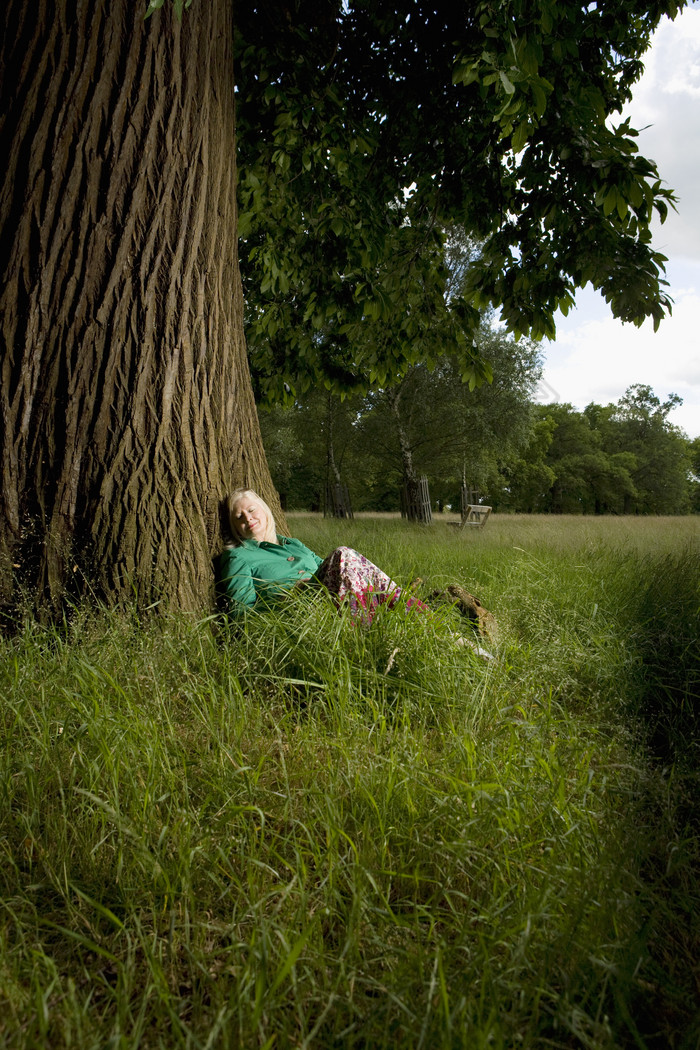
(348, 574)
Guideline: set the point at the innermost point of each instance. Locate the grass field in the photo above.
(306, 833)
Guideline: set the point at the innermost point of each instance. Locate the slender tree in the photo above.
(433, 423)
(127, 409)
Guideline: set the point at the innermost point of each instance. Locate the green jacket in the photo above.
(262, 571)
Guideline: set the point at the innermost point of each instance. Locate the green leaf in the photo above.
(508, 85)
(154, 5)
(245, 224)
(540, 98)
(520, 136)
(636, 195)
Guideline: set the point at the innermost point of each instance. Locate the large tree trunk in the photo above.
(127, 408)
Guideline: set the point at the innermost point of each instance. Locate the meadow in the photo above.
(302, 832)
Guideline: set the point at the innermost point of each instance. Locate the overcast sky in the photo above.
(595, 357)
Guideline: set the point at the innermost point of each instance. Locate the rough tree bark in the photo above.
(127, 408)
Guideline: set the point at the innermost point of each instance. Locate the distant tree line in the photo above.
(524, 457)
(622, 458)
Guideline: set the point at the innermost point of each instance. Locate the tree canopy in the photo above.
(365, 129)
(622, 458)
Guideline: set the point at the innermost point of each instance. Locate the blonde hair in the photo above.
(233, 499)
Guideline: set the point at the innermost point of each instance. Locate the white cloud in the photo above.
(666, 106)
(597, 360)
(595, 357)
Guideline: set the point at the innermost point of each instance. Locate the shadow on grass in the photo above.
(663, 608)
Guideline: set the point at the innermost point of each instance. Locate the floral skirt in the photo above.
(349, 575)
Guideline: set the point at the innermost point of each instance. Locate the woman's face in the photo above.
(249, 518)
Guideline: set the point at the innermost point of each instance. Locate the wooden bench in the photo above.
(474, 516)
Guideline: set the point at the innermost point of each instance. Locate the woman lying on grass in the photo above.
(260, 567)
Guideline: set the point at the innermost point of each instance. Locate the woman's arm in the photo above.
(234, 582)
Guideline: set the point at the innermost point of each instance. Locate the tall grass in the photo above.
(304, 832)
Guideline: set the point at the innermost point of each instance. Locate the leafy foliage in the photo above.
(365, 130)
(298, 441)
(694, 453)
(624, 458)
(344, 276)
(446, 428)
(449, 430)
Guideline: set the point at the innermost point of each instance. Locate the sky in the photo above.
(595, 357)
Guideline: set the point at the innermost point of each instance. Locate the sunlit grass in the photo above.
(304, 832)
